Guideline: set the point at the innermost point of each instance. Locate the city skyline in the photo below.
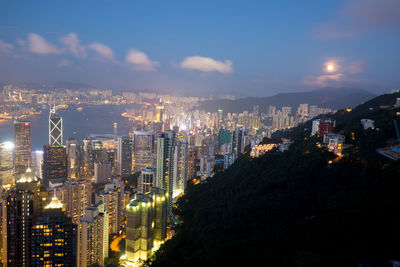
(203, 48)
(199, 133)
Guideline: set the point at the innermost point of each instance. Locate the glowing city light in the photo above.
(8, 145)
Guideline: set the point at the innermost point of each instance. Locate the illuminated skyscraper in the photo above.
(22, 147)
(6, 163)
(180, 166)
(55, 128)
(239, 140)
(146, 225)
(54, 164)
(124, 156)
(53, 238)
(143, 149)
(111, 196)
(160, 113)
(24, 205)
(165, 164)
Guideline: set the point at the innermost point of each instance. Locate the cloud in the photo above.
(324, 80)
(5, 48)
(73, 45)
(359, 17)
(102, 50)
(38, 45)
(64, 63)
(206, 64)
(140, 60)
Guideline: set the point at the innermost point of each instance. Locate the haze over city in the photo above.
(203, 47)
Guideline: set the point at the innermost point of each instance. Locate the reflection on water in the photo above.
(76, 124)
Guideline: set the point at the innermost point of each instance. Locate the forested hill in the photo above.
(303, 207)
(329, 97)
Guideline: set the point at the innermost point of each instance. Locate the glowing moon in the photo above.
(330, 68)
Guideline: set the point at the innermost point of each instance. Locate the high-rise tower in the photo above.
(22, 147)
(143, 148)
(6, 163)
(165, 165)
(124, 156)
(54, 164)
(55, 128)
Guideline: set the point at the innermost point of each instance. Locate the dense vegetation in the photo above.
(303, 207)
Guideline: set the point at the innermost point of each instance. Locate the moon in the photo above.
(330, 68)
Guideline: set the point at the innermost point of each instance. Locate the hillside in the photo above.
(334, 98)
(296, 208)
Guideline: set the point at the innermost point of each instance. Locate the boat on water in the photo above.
(79, 108)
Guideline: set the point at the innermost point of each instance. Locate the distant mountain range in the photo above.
(60, 85)
(70, 85)
(328, 97)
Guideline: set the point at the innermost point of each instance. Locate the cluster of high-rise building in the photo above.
(60, 205)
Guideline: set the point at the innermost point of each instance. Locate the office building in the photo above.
(22, 147)
(102, 172)
(54, 164)
(146, 180)
(37, 162)
(93, 237)
(180, 166)
(53, 239)
(239, 140)
(76, 197)
(55, 128)
(146, 223)
(124, 156)
(6, 164)
(111, 197)
(165, 164)
(24, 205)
(143, 149)
(72, 150)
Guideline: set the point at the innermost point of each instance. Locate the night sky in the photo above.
(255, 48)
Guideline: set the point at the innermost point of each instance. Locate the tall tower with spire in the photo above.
(55, 128)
